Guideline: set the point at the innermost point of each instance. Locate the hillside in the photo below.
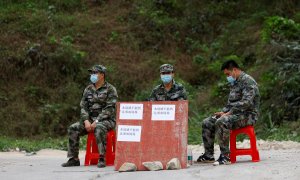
(47, 46)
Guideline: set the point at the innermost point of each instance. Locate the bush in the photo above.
(279, 28)
(66, 58)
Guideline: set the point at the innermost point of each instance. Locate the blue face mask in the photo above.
(166, 78)
(94, 78)
(231, 80)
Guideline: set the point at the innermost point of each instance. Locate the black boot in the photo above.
(71, 162)
(101, 162)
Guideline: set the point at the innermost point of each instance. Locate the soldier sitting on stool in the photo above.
(241, 110)
(98, 109)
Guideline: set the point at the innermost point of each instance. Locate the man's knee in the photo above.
(223, 121)
(207, 123)
(220, 121)
(74, 128)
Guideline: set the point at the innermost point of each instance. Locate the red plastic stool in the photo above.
(248, 130)
(92, 154)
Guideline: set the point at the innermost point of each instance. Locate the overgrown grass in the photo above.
(31, 145)
(285, 132)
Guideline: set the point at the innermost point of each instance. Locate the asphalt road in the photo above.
(274, 164)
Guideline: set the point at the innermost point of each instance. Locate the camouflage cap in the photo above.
(166, 68)
(98, 68)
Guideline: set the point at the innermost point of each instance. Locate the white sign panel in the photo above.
(163, 112)
(131, 111)
(129, 133)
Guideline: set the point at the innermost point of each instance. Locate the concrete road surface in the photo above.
(275, 164)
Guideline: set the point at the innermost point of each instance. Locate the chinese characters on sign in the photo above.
(131, 111)
(163, 112)
(129, 133)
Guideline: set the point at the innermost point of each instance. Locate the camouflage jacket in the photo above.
(177, 92)
(98, 104)
(244, 97)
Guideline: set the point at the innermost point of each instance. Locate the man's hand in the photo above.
(226, 114)
(219, 114)
(87, 126)
(93, 125)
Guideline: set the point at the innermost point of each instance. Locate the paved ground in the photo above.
(275, 164)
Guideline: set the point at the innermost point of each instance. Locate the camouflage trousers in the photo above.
(221, 128)
(76, 130)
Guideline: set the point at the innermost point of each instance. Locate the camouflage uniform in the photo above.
(177, 91)
(243, 104)
(96, 105)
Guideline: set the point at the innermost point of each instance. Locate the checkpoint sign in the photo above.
(154, 131)
(131, 111)
(129, 133)
(163, 112)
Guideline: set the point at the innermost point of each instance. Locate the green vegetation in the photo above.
(8, 143)
(46, 47)
(32, 145)
(277, 27)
